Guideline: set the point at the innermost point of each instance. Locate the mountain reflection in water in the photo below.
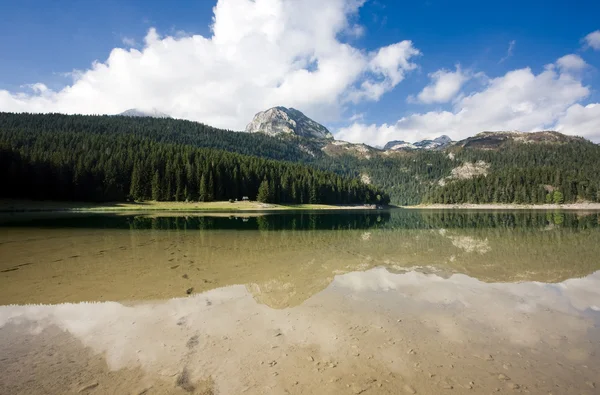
(227, 338)
(378, 301)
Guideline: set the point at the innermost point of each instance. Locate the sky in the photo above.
(370, 70)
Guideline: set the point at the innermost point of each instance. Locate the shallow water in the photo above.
(360, 302)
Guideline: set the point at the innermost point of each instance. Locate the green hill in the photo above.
(60, 157)
(491, 167)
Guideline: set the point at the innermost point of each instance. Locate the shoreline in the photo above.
(29, 206)
(469, 206)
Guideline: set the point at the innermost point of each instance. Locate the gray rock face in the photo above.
(394, 143)
(134, 112)
(443, 140)
(437, 143)
(282, 120)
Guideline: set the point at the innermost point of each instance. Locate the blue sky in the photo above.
(44, 42)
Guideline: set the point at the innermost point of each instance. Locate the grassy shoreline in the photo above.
(53, 206)
(571, 206)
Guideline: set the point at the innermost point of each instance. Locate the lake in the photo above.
(347, 302)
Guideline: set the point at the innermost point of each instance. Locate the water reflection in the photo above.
(365, 329)
(44, 264)
(359, 302)
(344, 220)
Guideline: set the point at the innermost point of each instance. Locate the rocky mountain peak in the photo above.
(437, 143)
(443, 139)
(154, 113)
(282, 120)
(394, 143)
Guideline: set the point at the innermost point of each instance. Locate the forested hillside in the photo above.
(109, 154)
(47, 163)
(526, 173)
(163, 130)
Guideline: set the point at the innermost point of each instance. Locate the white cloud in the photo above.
(357, 117)
(387, 68)
(592, 40)
(444, 86)
(571, 63)
(578, 119)
(262, 53)
(509, 51)
(129, 41)
(519, 100)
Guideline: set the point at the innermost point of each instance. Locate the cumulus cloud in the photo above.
(261, 53)
(578, 119)
(444, 86)
(592, 40)
(519, 100)
(571, 63)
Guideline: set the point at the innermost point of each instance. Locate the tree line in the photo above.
(74, 165)
(519, 173)
(527, 174)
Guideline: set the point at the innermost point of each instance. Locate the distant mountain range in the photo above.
(437, 143)
(134, 112)
(290, 122)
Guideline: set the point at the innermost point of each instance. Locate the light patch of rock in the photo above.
(470, 170)
(467, 171)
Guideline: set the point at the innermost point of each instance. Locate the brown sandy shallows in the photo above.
(75, 265)
(373, 332)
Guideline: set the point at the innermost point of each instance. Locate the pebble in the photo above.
(144, 391)
(88, 386)
(409, 389)
(514, 386)
(272, 363)
(411, 351)
(446, 385)
(503, 377)
(591, 384)
(189, 291)
(310, 359)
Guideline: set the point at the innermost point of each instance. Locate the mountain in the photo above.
(282, 120)
(116, 159)
(496, 140)
(490, 167)
(397, 144)
(435, 144)
(134, 112)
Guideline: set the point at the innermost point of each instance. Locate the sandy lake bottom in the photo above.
(393, 302)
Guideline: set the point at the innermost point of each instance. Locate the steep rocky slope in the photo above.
(282, 120)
